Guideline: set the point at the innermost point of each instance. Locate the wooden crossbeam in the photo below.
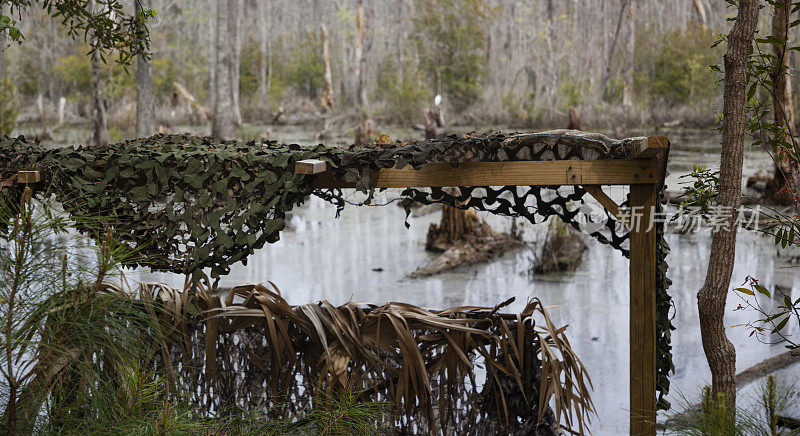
(520, 173)
(597, 192)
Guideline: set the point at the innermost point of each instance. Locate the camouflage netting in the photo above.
(189, 203)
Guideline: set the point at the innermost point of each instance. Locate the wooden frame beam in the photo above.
(521, 173)
(642, 327)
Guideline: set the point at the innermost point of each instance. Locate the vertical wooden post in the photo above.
(643, 310)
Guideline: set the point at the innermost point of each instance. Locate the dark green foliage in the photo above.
(451, 41)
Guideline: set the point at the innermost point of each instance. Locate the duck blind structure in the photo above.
(190, 203)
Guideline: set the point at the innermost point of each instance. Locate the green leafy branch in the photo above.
(772, 321)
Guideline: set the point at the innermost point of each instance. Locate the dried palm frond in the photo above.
(466, 369)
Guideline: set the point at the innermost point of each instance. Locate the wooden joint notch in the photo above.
(310, 166)
(612, 207)
(650, 147)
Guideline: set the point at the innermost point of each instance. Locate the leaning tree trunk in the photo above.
(145, 107)
(711, 299)
(222, 126)
(701, 13)
(783, 110)
(607, 70)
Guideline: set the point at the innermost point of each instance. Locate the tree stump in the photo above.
(433, 123)
(562, 250)
(574, 119)
(463, 238)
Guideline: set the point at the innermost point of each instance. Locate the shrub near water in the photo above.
(679, 72)
(404, 100)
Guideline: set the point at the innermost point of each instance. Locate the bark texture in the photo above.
(145, 106)
(223, 125)
(711, 299)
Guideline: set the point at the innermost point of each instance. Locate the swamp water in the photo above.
(367, 253)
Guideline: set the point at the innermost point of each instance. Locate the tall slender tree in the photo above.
(3, 45)
(711, 298)
(145, 106)
(627, 76)
(223, 125)
(234, 34)
(100, 124)
(360, 97)
(782, 106)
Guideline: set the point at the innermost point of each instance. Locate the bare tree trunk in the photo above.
(145, 106)
(3, 46)
(327, 100)
(264, 43)
(401, 40)
(213, 19)
(623, 6)
(701, 13)
(234, 32)
(360, 99)
(100, 130)
(783, 109)
(223, 125)
(627, 82)
(711, 299)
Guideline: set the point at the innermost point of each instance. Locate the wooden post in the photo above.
(643, 199)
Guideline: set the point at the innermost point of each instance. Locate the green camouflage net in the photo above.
(189, 203)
